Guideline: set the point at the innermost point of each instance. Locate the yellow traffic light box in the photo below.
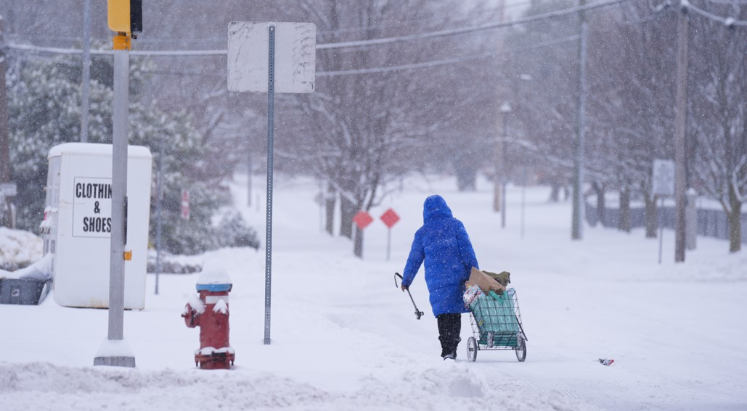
(126, 16)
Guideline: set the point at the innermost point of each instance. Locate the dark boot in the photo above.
(449, 326)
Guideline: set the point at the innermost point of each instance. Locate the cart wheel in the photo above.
(471, 349)
(521, 348)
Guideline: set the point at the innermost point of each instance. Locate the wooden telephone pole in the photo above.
(501, 168)
(679, 146)
(5, 217)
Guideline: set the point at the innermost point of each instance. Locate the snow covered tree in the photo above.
(44, 97)
(544, 108)
(366, 129)
(718, 113)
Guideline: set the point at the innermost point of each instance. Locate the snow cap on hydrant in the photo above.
(214, 277)
(209, 310)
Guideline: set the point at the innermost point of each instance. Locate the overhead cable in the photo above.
(726, 21)
(441, 62)
(464, 30)
(349, 44)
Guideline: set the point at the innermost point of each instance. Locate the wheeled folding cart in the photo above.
(496, 325)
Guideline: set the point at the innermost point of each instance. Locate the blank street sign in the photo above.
(663, 179)
(295, 57)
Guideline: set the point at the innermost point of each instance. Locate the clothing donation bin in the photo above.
(77, 223)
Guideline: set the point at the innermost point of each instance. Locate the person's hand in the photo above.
(404, 288)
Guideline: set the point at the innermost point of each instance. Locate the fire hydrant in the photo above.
(209, 311)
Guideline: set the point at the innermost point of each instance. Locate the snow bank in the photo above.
(18, 248)
(343, 337)
(450, 387)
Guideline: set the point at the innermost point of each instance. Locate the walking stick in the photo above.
(418, 313)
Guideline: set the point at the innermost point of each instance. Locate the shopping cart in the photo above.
(496, 325)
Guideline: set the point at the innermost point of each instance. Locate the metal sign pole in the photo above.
(523, 201)
(388, 243)
(159, 200)
(270, 129)
(503, 206)
(661, 227)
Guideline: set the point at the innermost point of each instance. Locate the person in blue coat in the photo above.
(442, 242)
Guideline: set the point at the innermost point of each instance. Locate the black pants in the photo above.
(449, 327)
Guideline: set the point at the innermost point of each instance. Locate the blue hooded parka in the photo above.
(444, 244)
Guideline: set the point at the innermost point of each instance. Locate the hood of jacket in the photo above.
(435, 207)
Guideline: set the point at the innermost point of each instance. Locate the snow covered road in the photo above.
(345, 338)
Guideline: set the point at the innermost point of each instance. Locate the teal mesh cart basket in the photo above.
(496, 325)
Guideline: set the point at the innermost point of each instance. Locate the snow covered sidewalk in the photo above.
(345, 338)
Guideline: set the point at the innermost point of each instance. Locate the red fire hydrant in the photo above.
(209, 311)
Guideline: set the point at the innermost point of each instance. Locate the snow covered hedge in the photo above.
(45, 107)
(18, 249)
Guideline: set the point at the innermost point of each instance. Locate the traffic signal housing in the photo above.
(126, 16)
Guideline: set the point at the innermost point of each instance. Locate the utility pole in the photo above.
(4, 136)
(86, 78)
(578, 177)
(500, 168)
(679, 145)
(505, 111)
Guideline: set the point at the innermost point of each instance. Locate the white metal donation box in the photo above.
(78, 223)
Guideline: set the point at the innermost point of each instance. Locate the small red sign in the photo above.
(185, 204)
(390, 218)
(362, 219)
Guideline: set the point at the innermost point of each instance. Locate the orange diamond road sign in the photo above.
(362, 219)
(390, 218)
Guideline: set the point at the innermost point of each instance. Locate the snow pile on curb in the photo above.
(18, 248)
(42, 386)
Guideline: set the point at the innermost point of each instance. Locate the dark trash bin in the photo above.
(22, 291)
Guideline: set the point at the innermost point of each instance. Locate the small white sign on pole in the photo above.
(8, 189)
(295, 57)
(663, 179)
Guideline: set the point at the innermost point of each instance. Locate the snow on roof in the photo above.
(96, 150)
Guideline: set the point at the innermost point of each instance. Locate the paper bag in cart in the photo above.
(485, 282)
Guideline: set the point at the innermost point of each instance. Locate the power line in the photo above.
(728, 21)
(443, 62)
(465, 30)
(375, 70)
(360, 43)
(359, 29)
(58, 50)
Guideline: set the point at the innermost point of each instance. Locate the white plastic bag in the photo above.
(471, 293)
